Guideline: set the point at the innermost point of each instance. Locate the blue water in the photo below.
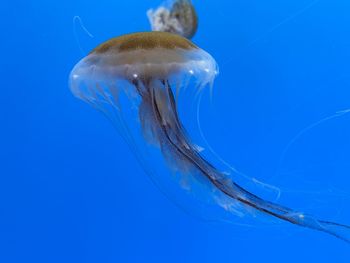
(71, 190)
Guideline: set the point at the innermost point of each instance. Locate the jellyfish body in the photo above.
(178, 17)
(135, 81)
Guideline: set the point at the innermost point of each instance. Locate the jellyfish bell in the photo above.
(143, 57)
(135, 80)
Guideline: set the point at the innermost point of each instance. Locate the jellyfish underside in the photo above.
(135, 80)
(180, 18)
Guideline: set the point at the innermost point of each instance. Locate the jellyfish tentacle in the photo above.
(286, 214)
(76, 20)
(194, 156)
(174, 134)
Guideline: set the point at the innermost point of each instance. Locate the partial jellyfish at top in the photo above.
(138, 81)
(175, 16)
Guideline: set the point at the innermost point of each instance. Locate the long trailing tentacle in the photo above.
(166, 116)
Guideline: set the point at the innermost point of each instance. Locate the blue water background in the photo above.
(70, 189)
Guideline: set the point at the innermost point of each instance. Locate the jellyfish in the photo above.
(136, 81)
(178, 17)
